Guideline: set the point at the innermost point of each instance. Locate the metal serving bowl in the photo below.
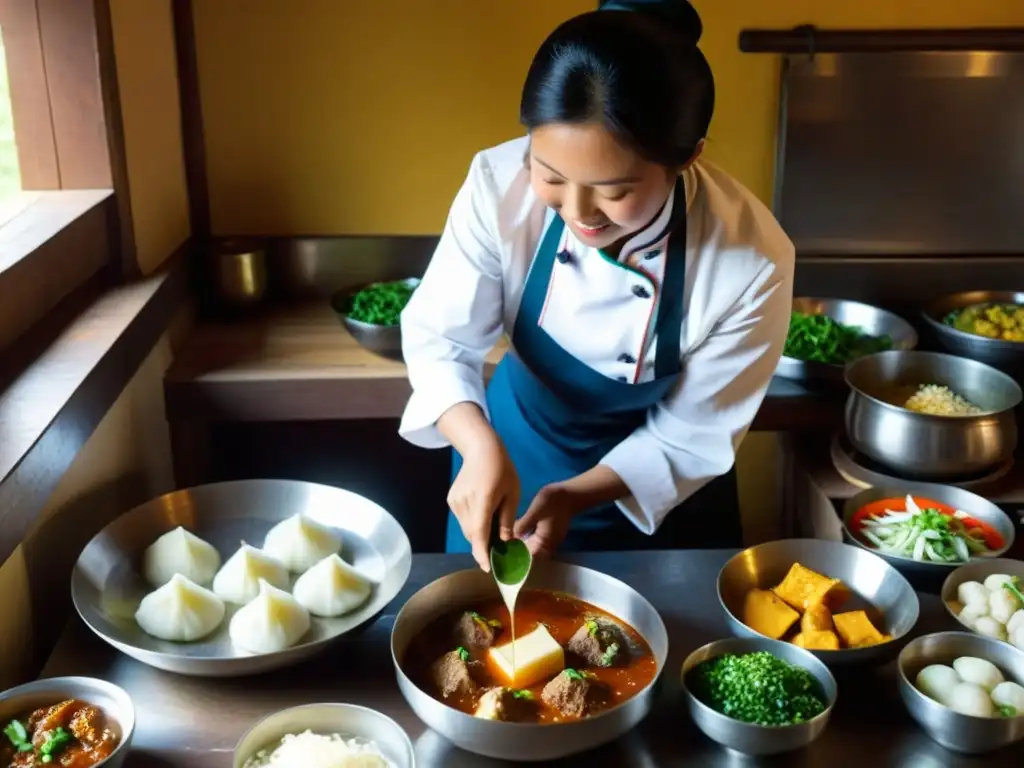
(1005, 355)
(528, 741)
(960, 733)
(106, 586)
(384, 340)
(977, 507)
(115, 703)
(921, 445)
(977, 570)
(872, 320)
(346, 720)
(876, 586)
(752, 739)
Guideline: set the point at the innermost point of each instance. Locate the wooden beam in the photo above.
(193, 140)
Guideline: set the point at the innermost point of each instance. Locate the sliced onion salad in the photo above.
(926, 535)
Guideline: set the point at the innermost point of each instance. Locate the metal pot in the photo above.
(920, 445)
(1006, 355)
(240, 272)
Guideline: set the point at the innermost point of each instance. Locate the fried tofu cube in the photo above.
(765, 613)
(817, 640)
(802, 588)
(817, 618)
(536, 656)
(856, 630)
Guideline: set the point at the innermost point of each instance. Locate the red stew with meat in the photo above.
(607, 662)
(70, 734)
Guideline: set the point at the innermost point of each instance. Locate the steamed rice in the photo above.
(936, 400)
(311, 750)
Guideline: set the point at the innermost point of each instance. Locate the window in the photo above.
(10, 177)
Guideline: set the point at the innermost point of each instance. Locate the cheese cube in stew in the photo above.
(802, 588)
(538, 656)
(856, 630)
(765, 613)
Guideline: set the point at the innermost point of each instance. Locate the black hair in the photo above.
(632, 65)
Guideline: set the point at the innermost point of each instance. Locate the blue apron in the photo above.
(558, 417)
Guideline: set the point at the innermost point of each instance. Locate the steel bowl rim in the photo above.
(912, 338)
(279, 658)
(936, 418)
(849, 511)
(346, 293)
(58, 684)
(929, 702)
(334, 705)
(946, 586)
(804, 654)
(464, 718)
(930, 312)
(867, 650)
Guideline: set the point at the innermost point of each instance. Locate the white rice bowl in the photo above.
(312, 750)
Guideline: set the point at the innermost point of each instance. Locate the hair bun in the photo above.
(679, 13)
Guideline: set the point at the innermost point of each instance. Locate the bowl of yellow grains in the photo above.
(987, 326)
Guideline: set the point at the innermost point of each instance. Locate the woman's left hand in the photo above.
(546, 522)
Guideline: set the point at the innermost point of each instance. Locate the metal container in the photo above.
(106, 586)
(240, 272)
(747, 738)
(923, 446)
(960, 733)
(1005, 355)
(115, 703)
(876, 586)
(384, 340)
(347, 720)
(872, 320)
(977, 570)
(977, 507)
(528, 741)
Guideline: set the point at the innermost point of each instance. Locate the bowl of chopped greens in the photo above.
(758, 696)
(987, 326)
(372, 314)
(826, 334)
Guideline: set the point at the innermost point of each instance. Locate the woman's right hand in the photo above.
(486, 485)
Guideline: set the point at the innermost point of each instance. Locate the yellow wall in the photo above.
(360, 116)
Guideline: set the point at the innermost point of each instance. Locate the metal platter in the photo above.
(106, 585)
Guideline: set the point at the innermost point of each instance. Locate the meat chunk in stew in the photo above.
(506, 704)
(475, 631)
(70, 733)
(600, 643)
(453, 673)
(572, 693)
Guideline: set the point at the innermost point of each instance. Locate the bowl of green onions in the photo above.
(826, 334)
(372, 314)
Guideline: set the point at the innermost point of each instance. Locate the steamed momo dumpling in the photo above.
(239, 580)
(331, 588)
(301, 543)
(180, 611)
(180, 551)
(272, 622)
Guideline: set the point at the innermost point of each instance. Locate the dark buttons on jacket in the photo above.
(651, 255)
(640, 292)
(628, 359)
(564, 257)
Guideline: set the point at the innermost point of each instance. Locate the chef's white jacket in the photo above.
(739, 282)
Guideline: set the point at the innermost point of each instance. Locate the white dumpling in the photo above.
(989, 627)
(301, 543)
(239, 580)
(971, 699)
(978, 671)
(1016, 621)
(271, 622)
(331, 588)
(180, 551)
(1002, 605)
(972, 592)
(1017, 638)
(180, 611)
(994, 583)
(970, 614)
(1009, 694)
(938, 681)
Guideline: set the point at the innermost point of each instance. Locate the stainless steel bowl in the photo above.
(346, 720)
(977, 570)
(920, 445)
(384, 340)
(873, 321)
(1005, 355)
(106, 586)
(752, 739)
(528, 741)
(977, 507)
(115, 703)
(875, 584)
(960, 733)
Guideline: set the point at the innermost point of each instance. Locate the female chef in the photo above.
(646, 295)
